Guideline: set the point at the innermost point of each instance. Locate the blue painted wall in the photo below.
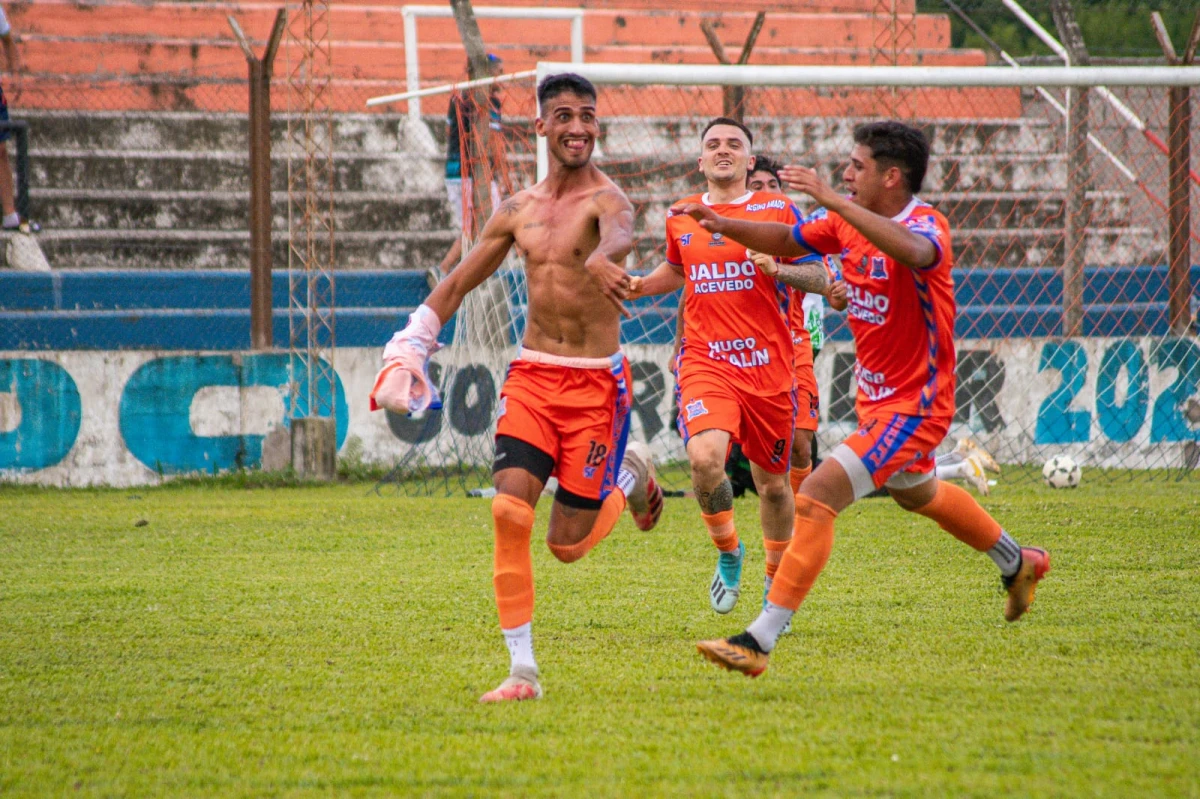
(209, 310)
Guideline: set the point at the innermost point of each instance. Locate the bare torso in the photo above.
(557, 228)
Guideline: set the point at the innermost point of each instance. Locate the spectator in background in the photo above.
(459, 119)
(10, 221)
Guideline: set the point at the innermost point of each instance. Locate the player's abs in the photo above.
(568, 315)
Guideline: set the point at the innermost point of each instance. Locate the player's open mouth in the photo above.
(575, 145)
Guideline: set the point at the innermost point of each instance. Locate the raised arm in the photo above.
(904, 246)
(605, 266)
(479, 264)
(772, 238)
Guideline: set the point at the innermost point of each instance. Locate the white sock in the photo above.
(11, 220)
(1006, 554)
(952, 471)
(769, 625)
(520, 645)
(625, 481)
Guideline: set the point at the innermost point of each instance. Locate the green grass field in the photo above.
(327, 640)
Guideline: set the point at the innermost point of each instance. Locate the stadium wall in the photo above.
(79, 418)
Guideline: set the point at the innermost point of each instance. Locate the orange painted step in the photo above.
(203, 60)
(438, 62)
(349, 96)
(626, 26)
(361, 23)
(201, 21)
(839, 6)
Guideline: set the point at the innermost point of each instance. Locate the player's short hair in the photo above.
(896, 144)
(765, 163)
(561, 83)
(727, 121)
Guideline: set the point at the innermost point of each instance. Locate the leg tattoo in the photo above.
(717, 500)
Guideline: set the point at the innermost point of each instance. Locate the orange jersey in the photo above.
(735, 319)
(902, 319)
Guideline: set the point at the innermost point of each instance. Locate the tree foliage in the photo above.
(1111, 28)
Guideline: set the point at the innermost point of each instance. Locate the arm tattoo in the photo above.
(809, 277)
(717, 500)
(510, 206)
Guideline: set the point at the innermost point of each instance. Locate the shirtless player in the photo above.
(564, 407)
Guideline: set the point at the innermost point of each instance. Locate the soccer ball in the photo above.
(1061, 471)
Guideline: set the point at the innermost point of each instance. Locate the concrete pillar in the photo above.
(314, 448)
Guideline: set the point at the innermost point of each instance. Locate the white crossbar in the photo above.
(412, 62)
(920, 77)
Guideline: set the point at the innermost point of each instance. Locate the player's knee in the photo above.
(511, 513)
(566, 553)
(571, 521)
(708, 467)
(915, 498)
(801, 455)
(775, 491)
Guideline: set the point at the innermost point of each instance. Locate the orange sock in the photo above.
(512, 571)
(721, 530)
(606, 520)
(812, 541)
(796, 476)
(961, 516)
(774, 552)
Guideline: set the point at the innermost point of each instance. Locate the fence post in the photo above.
(1077, 210)
(733, 97)
(261, 322)
(1179, 206)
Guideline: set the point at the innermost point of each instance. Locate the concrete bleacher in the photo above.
(208, 309)
(175, 55)
(139, 162)
(132, 190)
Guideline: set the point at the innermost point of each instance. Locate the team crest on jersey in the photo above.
(820, 213)
(717, 240)
(694, 408)
(685, 239)
(923, 227)
(878, 268)
(502, 408)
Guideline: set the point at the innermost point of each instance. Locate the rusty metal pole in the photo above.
(261, 304)
(261, 323)
(1179, 211)
(1179, 208)
(733, 98)
(1078, 210)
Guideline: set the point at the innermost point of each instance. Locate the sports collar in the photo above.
(913, 205)
(745, 198)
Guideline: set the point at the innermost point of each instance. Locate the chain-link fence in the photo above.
(1075, 335)
(1062, 250)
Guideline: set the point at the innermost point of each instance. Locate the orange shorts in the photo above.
(576, 410)
(890, 449)
(762, 425)
(808, 399)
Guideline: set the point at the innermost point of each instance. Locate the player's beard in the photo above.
(733, 179)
